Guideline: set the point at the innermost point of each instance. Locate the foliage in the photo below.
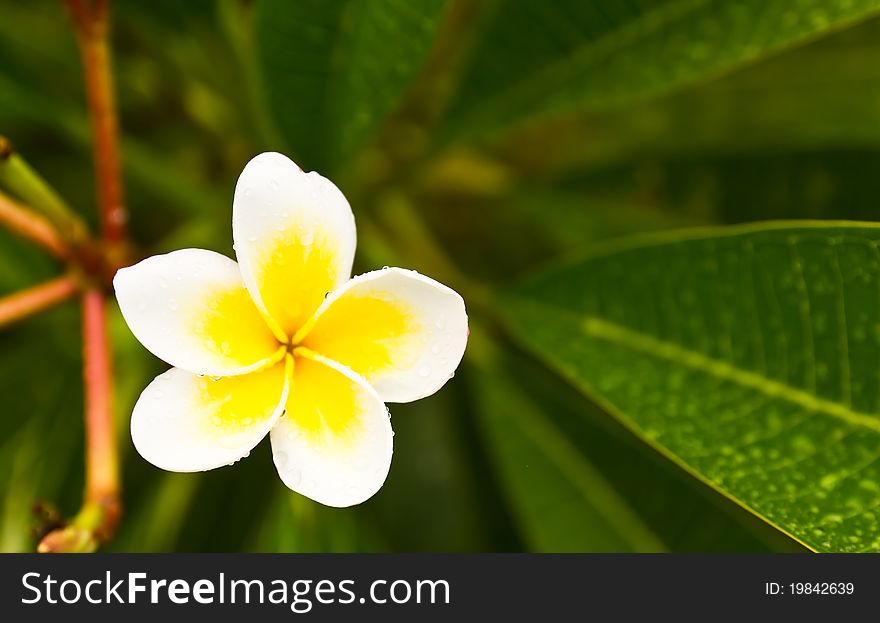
(697, 389)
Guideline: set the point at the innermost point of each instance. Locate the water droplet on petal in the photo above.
(293, 477)
(424, 371)
(280, 459)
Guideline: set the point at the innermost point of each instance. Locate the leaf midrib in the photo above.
(614, 333)
(587, 54)
(590, 483)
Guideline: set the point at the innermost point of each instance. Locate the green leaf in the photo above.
(560, 500)
(684, 514)
(749, 356)
(558, 56)
(335, 70)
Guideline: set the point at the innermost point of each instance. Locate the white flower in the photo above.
(285, 342)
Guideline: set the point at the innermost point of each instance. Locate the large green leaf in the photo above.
(534, 423)
(560, 500)
(334, 70)
(750, 356)
(563, 55)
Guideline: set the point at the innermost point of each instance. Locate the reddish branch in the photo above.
(99, 514)
(91, 21)
(22, 304)
(31, 226)
(97, 519)
(102, 470)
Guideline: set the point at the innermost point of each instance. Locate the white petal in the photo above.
(294, 237)
(404, 332)
(187, 423)
(191, 309)
(334, 445)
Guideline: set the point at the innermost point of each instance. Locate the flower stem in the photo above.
(99, 514)
(97, 519)
(23, 304)
(91, 21)
(102, 470)
(31, 226)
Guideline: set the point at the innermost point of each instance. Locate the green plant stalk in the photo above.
(21, 179)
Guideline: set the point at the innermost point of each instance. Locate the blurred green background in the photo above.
(475, 141)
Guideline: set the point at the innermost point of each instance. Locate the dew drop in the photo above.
(273, 184)
(435, 349)
(280, 459)
(142, 305)
(163, 282)
(424, 371)
(172, 305)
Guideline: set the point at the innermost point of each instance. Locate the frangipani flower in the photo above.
(285, 342)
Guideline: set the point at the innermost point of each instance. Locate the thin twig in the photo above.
(99, 514)
(27, 302)
(22, 222)
(97, 519)
(91, 20)
(102, 471)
